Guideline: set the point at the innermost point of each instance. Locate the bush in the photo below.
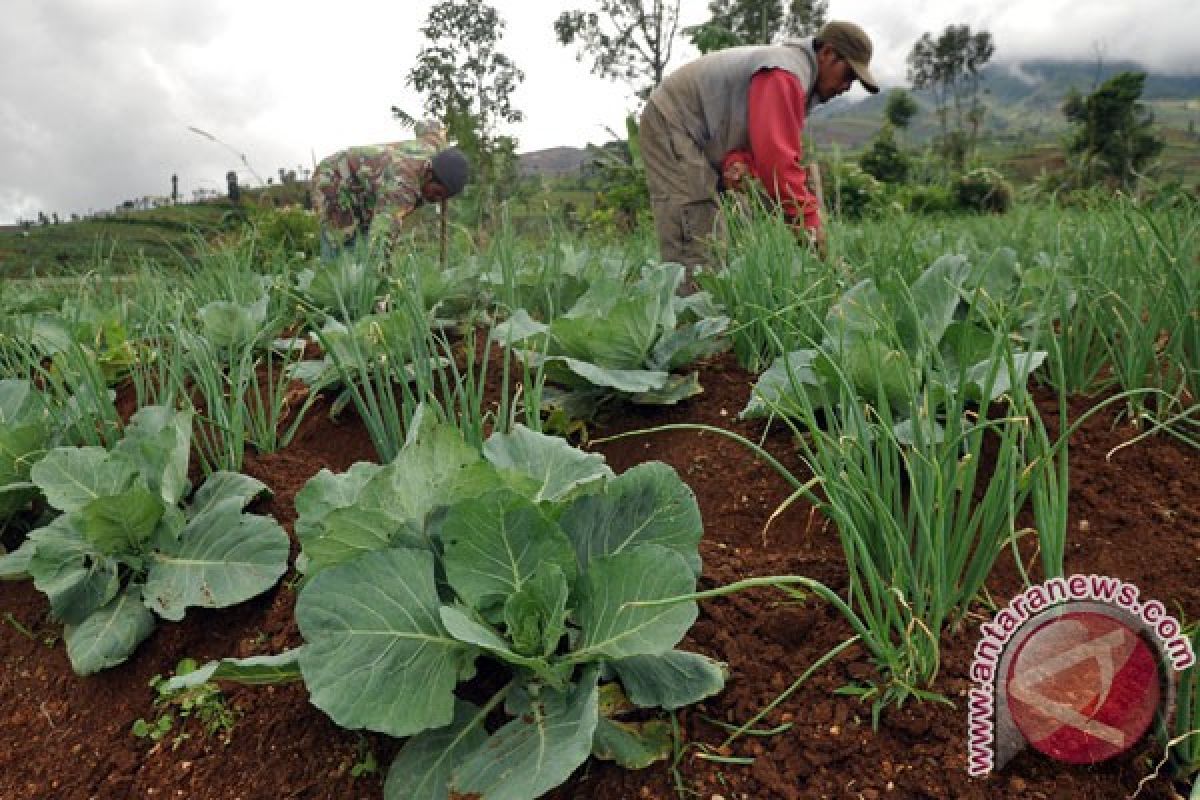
(983, 189)
(292, 230)
(850, 192)
(884, 160)
(927, 198)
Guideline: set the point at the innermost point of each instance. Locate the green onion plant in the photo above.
(771, 286)
(1183, 737)
(920, 519)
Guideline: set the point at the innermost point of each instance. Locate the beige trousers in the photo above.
(683, 191)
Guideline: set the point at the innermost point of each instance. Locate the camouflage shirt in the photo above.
(369, 190)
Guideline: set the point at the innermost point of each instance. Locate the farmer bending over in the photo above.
(752, 101)
(368, 191)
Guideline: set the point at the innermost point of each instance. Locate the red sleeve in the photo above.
(776, 119)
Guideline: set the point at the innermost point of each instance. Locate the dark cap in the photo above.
(451, 169)
(851, 43)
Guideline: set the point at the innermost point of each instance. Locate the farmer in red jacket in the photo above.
(364, 193)
(750, 102)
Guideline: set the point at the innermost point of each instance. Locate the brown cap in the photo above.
(852, 43)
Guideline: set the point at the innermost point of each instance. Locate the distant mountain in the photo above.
(1021, 98)
(554, 162)
(1049, 79)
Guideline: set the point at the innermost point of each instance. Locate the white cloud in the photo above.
(96, 96)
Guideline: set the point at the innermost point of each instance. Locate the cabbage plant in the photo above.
(24, 437)
(344, 288)
(126, 546)
(621, 340)
(957, 329)
(532, 555)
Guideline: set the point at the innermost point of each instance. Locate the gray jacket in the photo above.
(709, 97)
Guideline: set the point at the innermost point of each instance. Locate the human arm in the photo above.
(777, 105)
(399, 174)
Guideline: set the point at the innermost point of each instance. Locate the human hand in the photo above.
(818, 243)
(734, 175)
(812, 239)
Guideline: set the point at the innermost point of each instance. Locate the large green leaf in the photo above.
(990, 284)
(327, 491)
(923, 317)
(633, 745)
(559, 469)
(423, 767)
(222, 486)
(647, 504)
(622, 380)
(859, 313)
(677, 388)
(18, 401)
(464, 628)
(963, 345)
(370, 507)
(170, 528)
(622, 339)
(342, 286)
(15, 565)
(20, 446)
(121, 524)
(76, 577)
(550, 737)
(72, 477)
(494, 543)
(603, 291)
(613, 628)
(691, 342)
(873, 370)
(49, 333)
(517, 328)
(109, 635)
(433, 470)
(222, 558)
(993, 377)
(227, 325)
(377, 655)
(777, 389)
(158, 441)
(350, 532)
(670, 680)
(253, 671)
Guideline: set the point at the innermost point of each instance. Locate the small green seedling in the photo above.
(365, 763)
(204, 702)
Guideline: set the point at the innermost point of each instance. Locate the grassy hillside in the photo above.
(112, 242)
(120, 241)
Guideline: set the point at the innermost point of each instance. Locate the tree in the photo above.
(628, 40)
(900, 108)
(884, 160)
(468, 83)
(949, 67)
(1113, 135)
(621, 173)
(740, 22)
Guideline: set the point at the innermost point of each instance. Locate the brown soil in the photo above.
(1133, 515)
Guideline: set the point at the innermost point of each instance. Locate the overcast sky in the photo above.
(97, 96)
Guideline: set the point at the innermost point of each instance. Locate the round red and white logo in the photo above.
(1083, 687)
